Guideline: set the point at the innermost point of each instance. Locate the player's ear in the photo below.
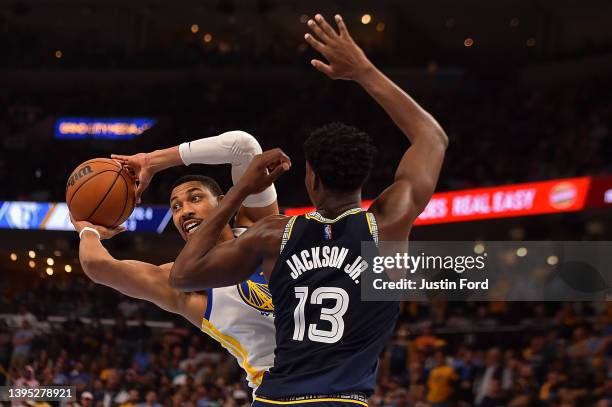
(220, 197)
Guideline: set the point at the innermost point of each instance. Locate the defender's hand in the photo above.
(142, 171)
(263, 170)
(105, 233)
(346, 59)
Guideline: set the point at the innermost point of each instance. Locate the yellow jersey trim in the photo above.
(287, 232)
(236, 349)
(334, 399)
(373, 226)
(320, 218)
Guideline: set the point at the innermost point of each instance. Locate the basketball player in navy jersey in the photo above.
(327, 340)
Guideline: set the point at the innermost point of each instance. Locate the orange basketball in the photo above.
(102, 192)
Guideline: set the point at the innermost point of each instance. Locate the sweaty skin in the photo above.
(204, 264)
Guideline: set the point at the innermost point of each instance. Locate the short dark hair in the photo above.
(208, 182)
(341, 156)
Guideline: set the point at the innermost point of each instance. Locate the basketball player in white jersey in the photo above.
(239, 317)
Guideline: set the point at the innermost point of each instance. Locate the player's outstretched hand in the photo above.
(263, 170)
(346, 59)
(105, 233)
(138, 164)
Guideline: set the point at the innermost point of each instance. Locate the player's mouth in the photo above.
(190, 226)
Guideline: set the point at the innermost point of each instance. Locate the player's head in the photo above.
(339, 158)
(192, 199)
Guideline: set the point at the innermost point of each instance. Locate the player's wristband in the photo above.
(87, 228)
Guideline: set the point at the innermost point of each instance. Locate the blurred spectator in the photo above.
(22, 340)
(150, 400)
(441, 381)
(494, 397)
(27, 378)
(492, 370)
(86, 399)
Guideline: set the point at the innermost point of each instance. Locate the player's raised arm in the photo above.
(417, 174)
(205, 263)
(233, 147)
(133, 278)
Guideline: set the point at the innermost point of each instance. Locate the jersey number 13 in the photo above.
(333, 315)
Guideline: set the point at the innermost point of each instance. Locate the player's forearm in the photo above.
(191, 264)
(160, 160)
(416, 123)
(96, 261)
(215, 270)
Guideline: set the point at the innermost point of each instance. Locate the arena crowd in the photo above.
(442, 354)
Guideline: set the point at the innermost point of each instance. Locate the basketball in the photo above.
(100, 191)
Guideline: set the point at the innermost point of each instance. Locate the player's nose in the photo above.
(187, 212)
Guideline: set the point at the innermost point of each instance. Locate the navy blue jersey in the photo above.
(327, 340)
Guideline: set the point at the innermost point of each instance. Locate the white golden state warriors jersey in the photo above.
(241, 319)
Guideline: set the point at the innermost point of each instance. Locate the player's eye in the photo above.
(196, 198)
(175, 207)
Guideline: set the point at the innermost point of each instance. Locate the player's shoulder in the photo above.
(265, 233)
(166, 266)
(271, 223)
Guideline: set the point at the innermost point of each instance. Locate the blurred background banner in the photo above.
(538, 198)
(82, 128)
(54, 216)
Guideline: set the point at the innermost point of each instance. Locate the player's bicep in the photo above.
(146, 281)
(421, 167)
(415, 181)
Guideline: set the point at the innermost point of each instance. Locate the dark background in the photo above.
(529, 99)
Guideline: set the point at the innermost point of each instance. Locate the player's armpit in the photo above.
(246, 216)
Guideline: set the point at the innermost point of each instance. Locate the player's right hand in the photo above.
(346, 59)
(139, 165)
(105, 233)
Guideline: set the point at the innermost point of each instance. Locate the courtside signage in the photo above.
(534, 198)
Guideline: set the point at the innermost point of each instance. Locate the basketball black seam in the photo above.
(89, 162)
(124, 202)
(105, 195)
(85, 182)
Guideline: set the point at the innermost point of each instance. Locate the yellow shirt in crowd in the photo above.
(440, 384)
